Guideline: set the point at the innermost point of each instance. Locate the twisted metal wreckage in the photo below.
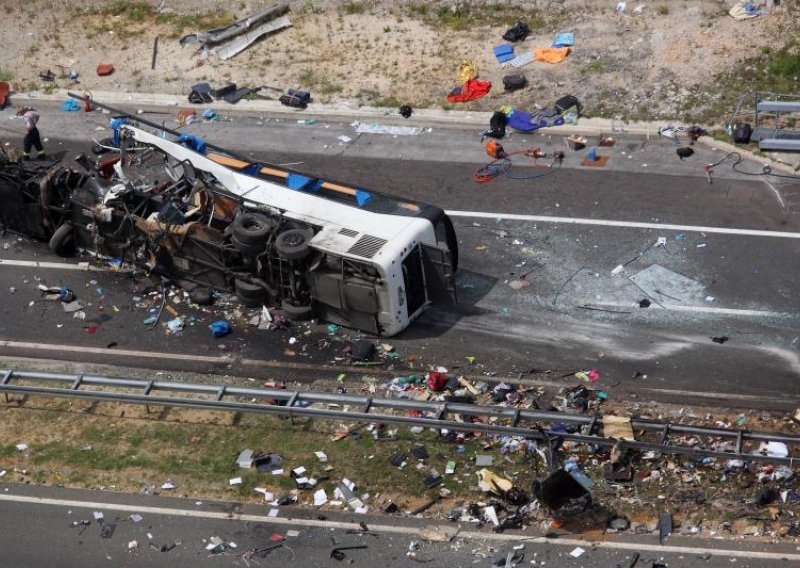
(205, 217)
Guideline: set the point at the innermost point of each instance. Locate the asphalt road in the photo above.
(38, 531)
(576, 314)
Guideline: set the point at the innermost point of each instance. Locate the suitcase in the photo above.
(742, 132)
(567, 102)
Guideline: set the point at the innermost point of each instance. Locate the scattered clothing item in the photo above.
(471, 90)
(522, 59)
(503, 52)
(744, 11)
(219, 328)
(466, 71)
(528, 122)
(684, 152)
(519, 32)
(550, 54)
(566, 39)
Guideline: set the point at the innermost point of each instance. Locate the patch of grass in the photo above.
(136, 10)
(199, 457)
(595, 66)
(330, 88)
(351, 8)
(6, 75)
(463, 16)
(662, 10)
(180, 23)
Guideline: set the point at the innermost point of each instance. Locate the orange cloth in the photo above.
(550, 54)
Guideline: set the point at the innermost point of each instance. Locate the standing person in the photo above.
(32, 138)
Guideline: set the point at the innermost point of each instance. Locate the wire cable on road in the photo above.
(737, 159)
(503, 166)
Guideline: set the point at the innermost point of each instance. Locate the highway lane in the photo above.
(576, 313)
(37, 515)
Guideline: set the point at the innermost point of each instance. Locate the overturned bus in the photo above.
(272, 236)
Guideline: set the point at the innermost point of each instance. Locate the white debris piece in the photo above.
(578, 551)
(320, 498)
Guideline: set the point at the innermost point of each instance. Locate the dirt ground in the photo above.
(664, 62)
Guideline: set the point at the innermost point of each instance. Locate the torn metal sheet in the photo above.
(242, 42)
(220, 35)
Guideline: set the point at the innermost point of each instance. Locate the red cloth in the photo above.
(471, 90)
(436, 381)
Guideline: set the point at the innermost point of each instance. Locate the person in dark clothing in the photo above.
(32, 138)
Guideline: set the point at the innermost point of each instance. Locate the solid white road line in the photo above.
(397, 529)
(85, 266)
(695, 309)
(627, 224)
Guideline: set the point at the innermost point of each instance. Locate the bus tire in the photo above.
(252, 228)
(249, 249)
(63, 240)
(293, 244)
(251, 295)
(296, 313)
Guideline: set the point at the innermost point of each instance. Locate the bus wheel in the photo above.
(251, 295)
(252, 228)
(63, 240)
(293, 244)
(297, 313)
(249, 249)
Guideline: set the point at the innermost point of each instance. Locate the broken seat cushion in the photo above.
(105, 69)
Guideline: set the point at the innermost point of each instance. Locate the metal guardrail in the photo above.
(504, 421)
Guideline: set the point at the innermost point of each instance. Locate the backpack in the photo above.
(684, 152)
(742, 132)
(519, 32)
(497, 125)
(514, 82)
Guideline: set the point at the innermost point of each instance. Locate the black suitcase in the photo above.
(742, 132)
(567, 102)
(514, 82)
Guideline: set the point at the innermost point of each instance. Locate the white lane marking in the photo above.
(627, 224)
(696, 309)
(394, 529)
(57, 265)
(115, 352)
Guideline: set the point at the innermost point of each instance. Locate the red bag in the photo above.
(436, 381)
(105, 69)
